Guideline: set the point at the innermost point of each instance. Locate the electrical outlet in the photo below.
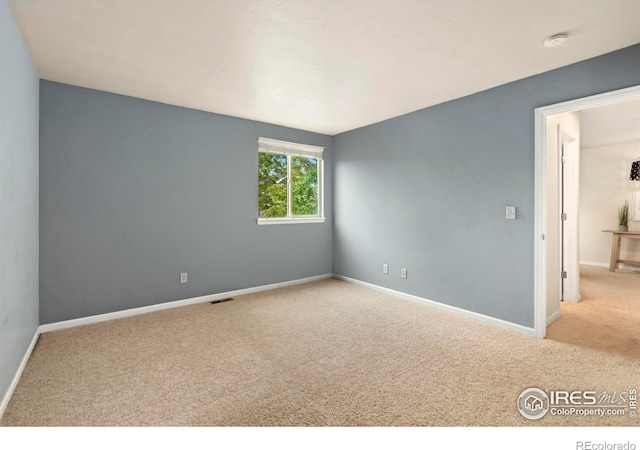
(385, 268)
(183, 277)
(403, 273)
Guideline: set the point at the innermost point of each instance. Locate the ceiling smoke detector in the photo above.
(556, 40)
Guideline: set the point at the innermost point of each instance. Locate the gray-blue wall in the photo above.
(427, 191)
(134, 192)
(18, 199)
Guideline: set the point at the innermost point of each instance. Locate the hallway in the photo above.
(607, 318)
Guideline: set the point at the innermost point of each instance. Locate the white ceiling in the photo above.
(321, 65)
(610, 124)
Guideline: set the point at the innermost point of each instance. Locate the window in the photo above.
(289, 182)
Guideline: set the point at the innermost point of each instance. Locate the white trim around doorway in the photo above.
(540, 246)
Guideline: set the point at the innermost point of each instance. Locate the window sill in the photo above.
(289, 221)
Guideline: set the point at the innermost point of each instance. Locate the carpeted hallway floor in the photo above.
(323, 354)
(607, 318)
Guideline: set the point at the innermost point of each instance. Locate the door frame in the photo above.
(569, 189)
(540, 212)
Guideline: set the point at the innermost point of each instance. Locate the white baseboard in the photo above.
(134, 312)
(591, 263)
(597, 264)
(553, 317)
(16, 377)
(175, 304)
(463, 312)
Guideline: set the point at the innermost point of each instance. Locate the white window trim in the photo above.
(287, 221)
(266, 145)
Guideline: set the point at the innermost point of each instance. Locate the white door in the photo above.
(569, 200)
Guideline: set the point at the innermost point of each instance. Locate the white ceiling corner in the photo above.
(610, 124)
(321, 65)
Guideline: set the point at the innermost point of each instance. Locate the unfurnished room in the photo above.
(317, 213)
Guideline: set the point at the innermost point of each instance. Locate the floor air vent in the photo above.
(222, 300)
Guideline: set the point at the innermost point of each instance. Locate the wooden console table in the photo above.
(615, 248)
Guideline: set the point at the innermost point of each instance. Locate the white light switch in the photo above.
(385, 268)
(511, 212)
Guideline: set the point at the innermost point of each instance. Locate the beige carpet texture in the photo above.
(326, 353)
(607, 318)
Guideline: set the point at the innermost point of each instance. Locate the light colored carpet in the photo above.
(322, 354)
(607, 318)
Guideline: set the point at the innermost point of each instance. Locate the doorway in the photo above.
(562, 184)
(548, 247)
